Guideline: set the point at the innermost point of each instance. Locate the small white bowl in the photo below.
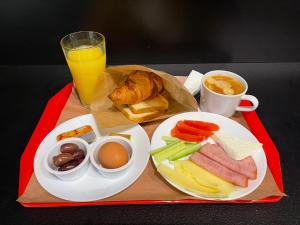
(111, 173)
(77, 171)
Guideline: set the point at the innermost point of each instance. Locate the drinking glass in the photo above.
(86, 57)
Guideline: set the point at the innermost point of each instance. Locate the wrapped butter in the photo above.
(85, 132)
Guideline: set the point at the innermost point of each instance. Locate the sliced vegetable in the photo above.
(184, 128)
(169, 139)
(188, 144)
(161, 156)
(202, 125)
(166, 147)
(187, 137)
(186, 151)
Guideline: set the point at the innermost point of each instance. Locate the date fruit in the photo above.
(70, 165)
(78, 154)
(70, 157)
(69, 148)
(62, 159)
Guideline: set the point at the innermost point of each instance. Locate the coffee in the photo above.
(225, 85)
(222, 92)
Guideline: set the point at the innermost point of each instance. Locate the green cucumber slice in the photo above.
(167, 153)
(185, 152)
(163, 148)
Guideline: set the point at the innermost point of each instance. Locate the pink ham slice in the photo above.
(245, 166)
(219, 170)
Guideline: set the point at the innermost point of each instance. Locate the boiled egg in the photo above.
(112, 155)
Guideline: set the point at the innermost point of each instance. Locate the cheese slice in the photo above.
(235, 147)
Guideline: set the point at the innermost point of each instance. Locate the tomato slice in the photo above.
(202, 125)
(184, 128)
(187, 137)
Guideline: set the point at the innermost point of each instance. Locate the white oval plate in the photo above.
(92, 186)
(227, 126)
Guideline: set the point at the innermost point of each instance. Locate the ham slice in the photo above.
(219, 170)
(245, 166)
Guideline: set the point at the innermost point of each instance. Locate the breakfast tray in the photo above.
(49, 119)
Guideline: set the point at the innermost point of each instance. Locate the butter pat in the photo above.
(193, 82)
(235, 147)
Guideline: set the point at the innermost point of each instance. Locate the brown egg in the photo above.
(112, 155)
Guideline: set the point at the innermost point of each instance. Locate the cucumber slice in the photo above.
(185, 152)
(189, 144)
(167, 153)
(163, 148)
(169, 139)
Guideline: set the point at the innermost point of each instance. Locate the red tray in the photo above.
(48, 121)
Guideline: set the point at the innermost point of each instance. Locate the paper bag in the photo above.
(108, 116)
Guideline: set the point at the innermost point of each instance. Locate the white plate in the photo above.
(227, 126)
(92, 186)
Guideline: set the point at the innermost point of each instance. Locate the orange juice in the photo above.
(86, 64)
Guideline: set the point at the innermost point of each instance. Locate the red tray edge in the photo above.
(54, 108)
(271, 199)
(272, 153)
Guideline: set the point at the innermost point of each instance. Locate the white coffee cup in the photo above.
(213, 102)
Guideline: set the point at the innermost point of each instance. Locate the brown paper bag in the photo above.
(108, 116)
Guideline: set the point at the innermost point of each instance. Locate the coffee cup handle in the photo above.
(250, 98)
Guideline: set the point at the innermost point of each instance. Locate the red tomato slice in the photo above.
(184, 128)
(202, 125)
(187, 137)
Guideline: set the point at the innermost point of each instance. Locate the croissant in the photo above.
(138, 87)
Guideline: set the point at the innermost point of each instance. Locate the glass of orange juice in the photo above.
(86, 57)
